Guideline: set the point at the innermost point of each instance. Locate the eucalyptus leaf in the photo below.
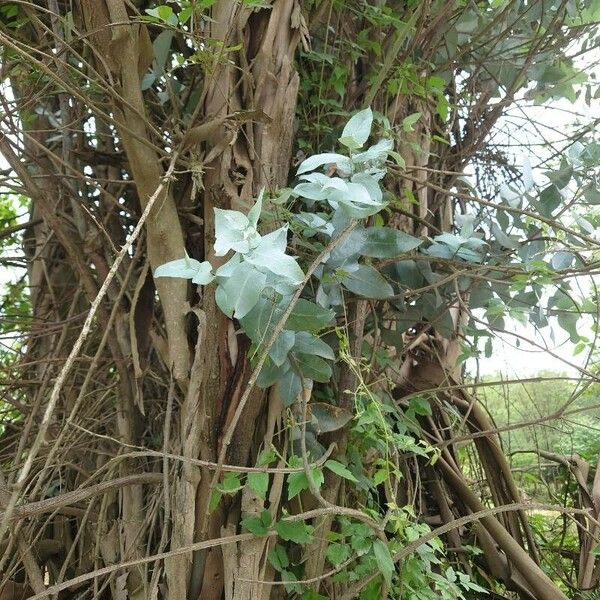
(282, 345)
(242, 289)
(288, 387)
(310, 344)
(367, 282)
(312, 367)
(187, 268)
(329, 158)
(385, 242)
(357, 130)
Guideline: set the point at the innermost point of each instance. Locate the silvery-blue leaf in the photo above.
(204, 274)
(357, 194)
(232, 229)
(254, 212)
(282, 345)
(357, 130)
(370, 184)
(184, 268)
(468, 255)
(270, 255)
(224, 302)
(311, 191)
(502, 238)
(562, 260)
(449, 239)
(316, 222)
(377, 153)
(315, 177)
(467, 225)
(282, 286)
(227, 269)
(243, 288)
(528, 182)
(328, 158)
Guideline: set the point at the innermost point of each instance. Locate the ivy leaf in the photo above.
(231, 483)
(278, 558)
(294, 531)
(297, 482)
(337, 553)
(384, 560)
(258, 525)
(339, 469)
(367, 282)
(187, 268)
(259, 484)
(357, 130)
(329, 158)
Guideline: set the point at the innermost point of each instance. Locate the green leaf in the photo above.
(357, 130)
(408, 122)
(385, 242)
(289, 387)
(215, 498)
(385, 564)
(278, 558)
(367, 282)
(258, 525)
(308, 316)
(313, 367)
(337, 553)
(312, 595)
(259, 484)
(294, 531)
(297, 482)
(339, 469)
(310, 344)
(231, 483)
